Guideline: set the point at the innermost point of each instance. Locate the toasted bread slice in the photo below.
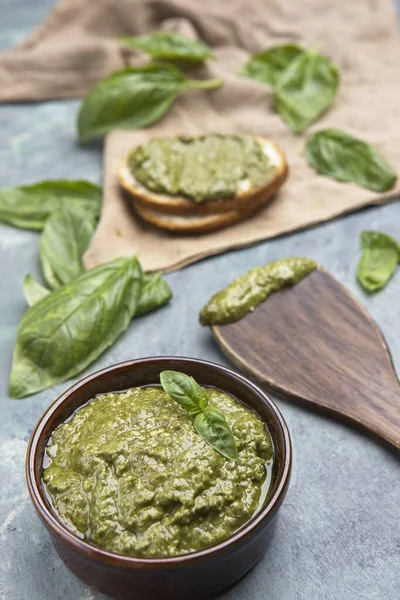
(178, 205)
(196, 224)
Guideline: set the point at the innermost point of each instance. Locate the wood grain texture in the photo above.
(316, 344)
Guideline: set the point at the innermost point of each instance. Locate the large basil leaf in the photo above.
(306, 89)
(133, 97)
(267, 66)
(346, 158)
(64, 240)
(165, 45)
(67, 330)
(381, 254)
(214, 429)
(184, 390)
(155, 293)
(29, 206)
(33, 291)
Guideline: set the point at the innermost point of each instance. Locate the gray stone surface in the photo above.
(338, 535)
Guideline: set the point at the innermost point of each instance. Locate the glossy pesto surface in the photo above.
(130, 474)
(248, 291)
(201, 168)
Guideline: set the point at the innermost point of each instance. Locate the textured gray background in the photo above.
(339, 533)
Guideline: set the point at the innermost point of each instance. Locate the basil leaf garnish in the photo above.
(67, 330)
(133, 97)
(29, 206)
(267, 66)
(33, 291)
(306, 88)
(381, 254)
(214, 429)
(184, 390)
(155, 293)
(209, 422)
(165, 45)
(346, 158)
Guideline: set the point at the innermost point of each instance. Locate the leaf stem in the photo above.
(204, 84)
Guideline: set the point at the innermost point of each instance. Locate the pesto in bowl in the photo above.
(129, 473)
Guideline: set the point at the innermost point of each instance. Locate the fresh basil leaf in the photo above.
(67, 330)
(267, 66)
(346, 158)
(306, 89)
(29, 206)
(165, 45)
(65, 238)
(155, 293)
(381, 254)
(133, 97)
(214, 429)
(184, 390)
(33, 291)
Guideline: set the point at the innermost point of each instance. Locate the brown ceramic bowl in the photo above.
(192, 576)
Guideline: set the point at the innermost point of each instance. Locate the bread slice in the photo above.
(177, 205)
(196, 224)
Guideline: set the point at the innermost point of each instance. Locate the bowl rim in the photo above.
(80, 546)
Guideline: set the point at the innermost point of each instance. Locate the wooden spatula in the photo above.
(314, 343)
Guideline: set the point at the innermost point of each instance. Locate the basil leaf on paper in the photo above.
(134, 97)
(29, 206)
(306, 89)
(166, 45)
(381, 254)
(64, 240)
(346, 158)
(214, 429)
(155, 293)
(267, 66)
(184, 390)
(33, 290)
(67, 330)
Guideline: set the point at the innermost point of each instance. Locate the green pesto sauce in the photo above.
(130, 474)
(201, 168)
(248, 291)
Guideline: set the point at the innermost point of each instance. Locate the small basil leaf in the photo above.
(130, 98)
(29, 206)
(65, 238)
(33, 291)
(67, 330)
(184, 390)
(306, 89)
(379, 260)
(267, 66)
(165, 45)
(346, 158)
(155, 293)
(214, 429)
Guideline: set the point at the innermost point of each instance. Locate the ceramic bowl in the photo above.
(188, 577)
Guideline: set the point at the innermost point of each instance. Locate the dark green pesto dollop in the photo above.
(201, 168)
(130, 474)
(248, 291)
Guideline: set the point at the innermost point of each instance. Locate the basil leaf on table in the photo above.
(381, 254)
(155, 293)
(306, 89)
(67, 330)
(29, 206)
(165, 45)
(134, 97)
(33, 290)
(214, 429)
(267, 66)
(346, 158)
(65, 238)
(184, 390)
